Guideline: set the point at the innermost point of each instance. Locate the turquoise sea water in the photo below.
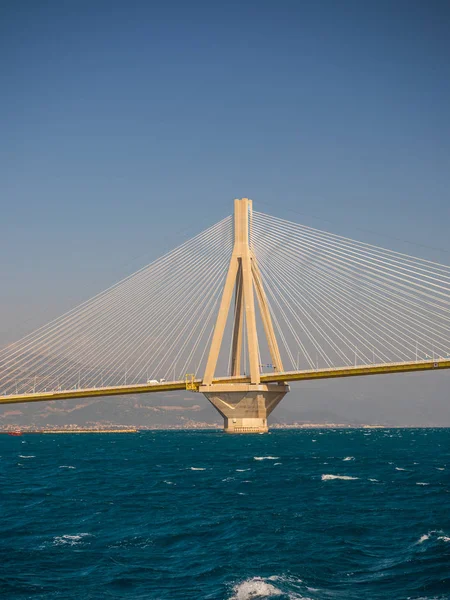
(320, 514)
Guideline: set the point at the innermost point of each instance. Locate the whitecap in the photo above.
(421, 483)
(433, 532)
(266, 457)
(242, 470)
(169, 482)
(399, 469)
(197, 468)
(275, 464)
(373, 479)
(256, 587)
(344, 477)
(440, 469)
(66, 467)
(348, 458)
(71, 540)
(30, 456)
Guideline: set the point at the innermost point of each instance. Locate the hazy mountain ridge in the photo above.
(411, 400)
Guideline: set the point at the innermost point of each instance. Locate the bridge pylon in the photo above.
(244, 406)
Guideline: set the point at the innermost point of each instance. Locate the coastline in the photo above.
(17, 430)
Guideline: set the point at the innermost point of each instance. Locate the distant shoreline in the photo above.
(19, 431)
(22, 431)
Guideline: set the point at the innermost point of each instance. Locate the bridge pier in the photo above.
(245, 407)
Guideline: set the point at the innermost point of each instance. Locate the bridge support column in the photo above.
(245, 407)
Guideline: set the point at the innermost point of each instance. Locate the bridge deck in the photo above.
(353, 371)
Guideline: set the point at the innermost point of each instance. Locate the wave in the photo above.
(344, 477)
(348, 458)
(257, 588)
(422, 483)
(30, 456)
(242, 470)
(197, 468)
(66, 467)
(70, 540)
(254, 588)
(434, 534)
(266, 457)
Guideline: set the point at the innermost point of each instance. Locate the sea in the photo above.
(296, 514)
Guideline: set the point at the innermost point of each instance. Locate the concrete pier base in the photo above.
(245, 407)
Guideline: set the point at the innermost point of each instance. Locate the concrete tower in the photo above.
(244, 406)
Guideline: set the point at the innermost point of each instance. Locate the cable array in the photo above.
(334, 302)
(338, 302)
(155, 324)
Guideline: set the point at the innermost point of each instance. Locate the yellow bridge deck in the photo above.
(193, 385)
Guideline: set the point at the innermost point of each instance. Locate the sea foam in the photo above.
(71, 540)
(436, 534)
(344, 477)
(254, 588)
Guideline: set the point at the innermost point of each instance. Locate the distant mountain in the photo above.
(412, 400)
(319, 415)
(143, 410)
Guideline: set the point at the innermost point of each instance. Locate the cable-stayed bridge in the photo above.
(236, 313)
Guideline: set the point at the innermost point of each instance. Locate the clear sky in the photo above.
(127, 127)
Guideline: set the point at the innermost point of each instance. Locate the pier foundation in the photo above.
(245, 407)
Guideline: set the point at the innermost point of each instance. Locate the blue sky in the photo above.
(127, 127)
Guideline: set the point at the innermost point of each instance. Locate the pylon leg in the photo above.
(236, 344)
